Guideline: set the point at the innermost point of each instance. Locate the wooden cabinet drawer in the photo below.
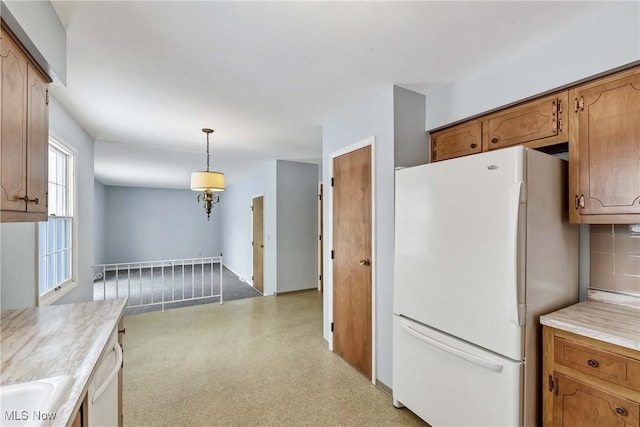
(599, 363)
(581, 405)
(457, 141)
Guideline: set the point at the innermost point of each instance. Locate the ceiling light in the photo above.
(208, 182)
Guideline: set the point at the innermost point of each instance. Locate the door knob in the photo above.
(365, 261)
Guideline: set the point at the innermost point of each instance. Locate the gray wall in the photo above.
(99, 222)
(290, 225)
(297, 217)
(609, 40)
(19, 285)
(372, 117)
(237, 230)
(411, 143)
(38, 27)
(150, 224)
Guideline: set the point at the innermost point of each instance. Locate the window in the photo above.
(55, 237)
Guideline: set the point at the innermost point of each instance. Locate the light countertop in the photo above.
(605, 321)
(57, 340)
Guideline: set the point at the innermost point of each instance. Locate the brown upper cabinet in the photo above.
(24, 135)
(604, 150)
(456, 141)
(536, 124)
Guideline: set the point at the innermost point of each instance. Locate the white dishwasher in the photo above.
(103, 389)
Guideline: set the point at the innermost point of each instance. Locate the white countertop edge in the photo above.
(81, 383)
(589, 333)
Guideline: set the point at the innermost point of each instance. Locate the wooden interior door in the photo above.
(258, 243)
(351, 258)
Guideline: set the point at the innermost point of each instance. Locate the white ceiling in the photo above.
(144, 77)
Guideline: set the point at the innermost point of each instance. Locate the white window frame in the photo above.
(53, 295)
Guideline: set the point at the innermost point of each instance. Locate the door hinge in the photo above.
(320, 197)
(320, 237)
(553, 384)
(580, 201)
(252, 278)
(559, 106)
(252, 208)
(320, 277)
(559, 125)
(331, 326)
(47, 97)
(252, 243)
(333, 182)
(554, 125)
(331, 253)
(578, 104)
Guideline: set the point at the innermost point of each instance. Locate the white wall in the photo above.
(19, 241)
(237, 230)
(151, 224)
(18, 276)
(99, 222)
(609, 40)
(297, 217)
(38, 27)
(371, 117)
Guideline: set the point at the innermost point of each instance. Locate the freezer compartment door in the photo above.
(459, 250)
(448, 382)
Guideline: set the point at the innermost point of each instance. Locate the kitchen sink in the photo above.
(33, 403)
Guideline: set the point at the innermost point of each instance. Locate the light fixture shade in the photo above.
(206, 180)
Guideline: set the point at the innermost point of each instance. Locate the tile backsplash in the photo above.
(615, 258)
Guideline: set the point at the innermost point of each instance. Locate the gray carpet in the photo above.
(148, 286)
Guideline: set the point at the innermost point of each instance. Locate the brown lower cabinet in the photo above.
(589, 383)
(576, 404)
(81, 419)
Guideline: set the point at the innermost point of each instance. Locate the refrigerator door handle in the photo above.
(476, 360)
(514, 291)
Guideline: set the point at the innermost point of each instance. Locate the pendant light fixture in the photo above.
(208, 182)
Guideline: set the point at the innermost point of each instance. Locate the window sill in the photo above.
(52, 296)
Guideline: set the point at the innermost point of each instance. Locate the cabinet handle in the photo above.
(28, 200)
(621, 411)
(592, 363)
(474, 145)
(494, 140)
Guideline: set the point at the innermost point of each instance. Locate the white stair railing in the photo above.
(150, 283)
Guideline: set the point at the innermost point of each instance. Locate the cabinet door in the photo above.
(605, 150)
(457, 141)
(14, 126)
(536, 123)
(37, 142)
(580, 405)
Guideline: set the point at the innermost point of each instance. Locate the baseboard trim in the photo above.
(382, 386)
(296, 291)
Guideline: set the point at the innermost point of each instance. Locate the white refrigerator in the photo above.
(483, 247)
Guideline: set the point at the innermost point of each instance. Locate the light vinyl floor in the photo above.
(257, 361)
